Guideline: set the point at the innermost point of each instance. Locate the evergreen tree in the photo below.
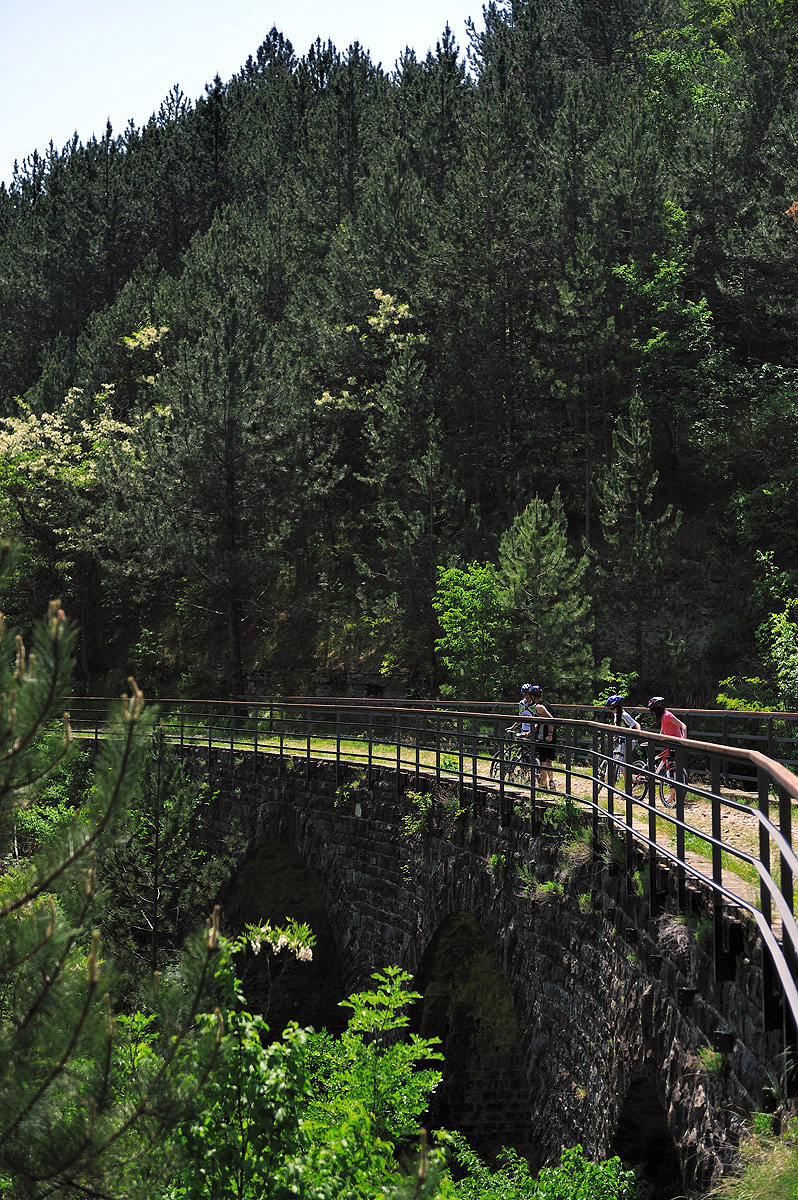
(70, 1123)
(543, 591)
(637, 539)
(158, 874)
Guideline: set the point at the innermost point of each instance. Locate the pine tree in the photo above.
(544, 593)
(637, 539)
(72, 1121)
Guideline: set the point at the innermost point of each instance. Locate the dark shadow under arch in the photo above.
(643, 1139)
(273, 884)
(467, 1004)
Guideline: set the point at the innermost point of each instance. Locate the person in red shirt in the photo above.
(669, 725)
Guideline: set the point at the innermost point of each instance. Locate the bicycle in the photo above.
(610, 770)
(667, 776)
(513, 759)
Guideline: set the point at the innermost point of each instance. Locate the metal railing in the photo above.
(468, 747)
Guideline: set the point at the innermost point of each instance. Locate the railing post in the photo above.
(771, 1006)
(307, 744)
(681, 875)
(630, 815)
(398, 753)
(182, 730)
(337, 747)
(210, 737)
(460, 758)
(569, 749)
(652, 832)
(371, 740)
(594, 755)
(786, 876)
(255, 737)
(717, 870)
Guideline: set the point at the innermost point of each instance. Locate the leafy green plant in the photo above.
(640, 881)
(347, 791)
(549, 890)
(712, 1061)
(451, 807)
(418, 821)
(762, 1124)
(575, 1177)
(496, 864)
(616, 682)
(563, 821)
(450, 762)
(473, 628)
(527, 877)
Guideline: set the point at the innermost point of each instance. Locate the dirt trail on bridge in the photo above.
(739, 829)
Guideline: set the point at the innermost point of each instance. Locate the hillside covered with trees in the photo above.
(495, 350)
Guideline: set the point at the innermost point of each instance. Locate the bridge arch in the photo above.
(274, 883)
(466, 1002)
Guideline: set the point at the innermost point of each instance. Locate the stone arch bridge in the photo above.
(567, 1014)
(589, 984)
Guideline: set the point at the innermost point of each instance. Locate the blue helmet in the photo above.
(527, 687)
(614, 701)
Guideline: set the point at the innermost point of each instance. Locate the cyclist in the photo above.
(620, 717)
(544, 737)
(526, 711)
(669, 725)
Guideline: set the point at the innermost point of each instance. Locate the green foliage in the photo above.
(573, 1178)
(637, 538)
(497, 864)
(418, 821)
(467, 603)
(768, 1166)
(549, 891)
(245, 1140)
(68, 1118)
(159, 875)
(712, 1061)
(545, 599)
(563, 821)
(621, 683)
(745, 693)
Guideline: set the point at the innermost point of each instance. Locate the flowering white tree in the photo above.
(62, 480)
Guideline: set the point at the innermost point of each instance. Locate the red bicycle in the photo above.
(667, 776)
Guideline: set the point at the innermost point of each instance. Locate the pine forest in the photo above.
(305, 383)
(359, 381)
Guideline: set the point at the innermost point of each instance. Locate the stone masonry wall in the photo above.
(604, 993)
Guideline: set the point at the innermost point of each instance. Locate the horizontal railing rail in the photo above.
(468, 747)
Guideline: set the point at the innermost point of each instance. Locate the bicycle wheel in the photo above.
(639, 779)
(608, 771)
(496, 763)
(513, 762)
(523, 771)
(667, 785)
